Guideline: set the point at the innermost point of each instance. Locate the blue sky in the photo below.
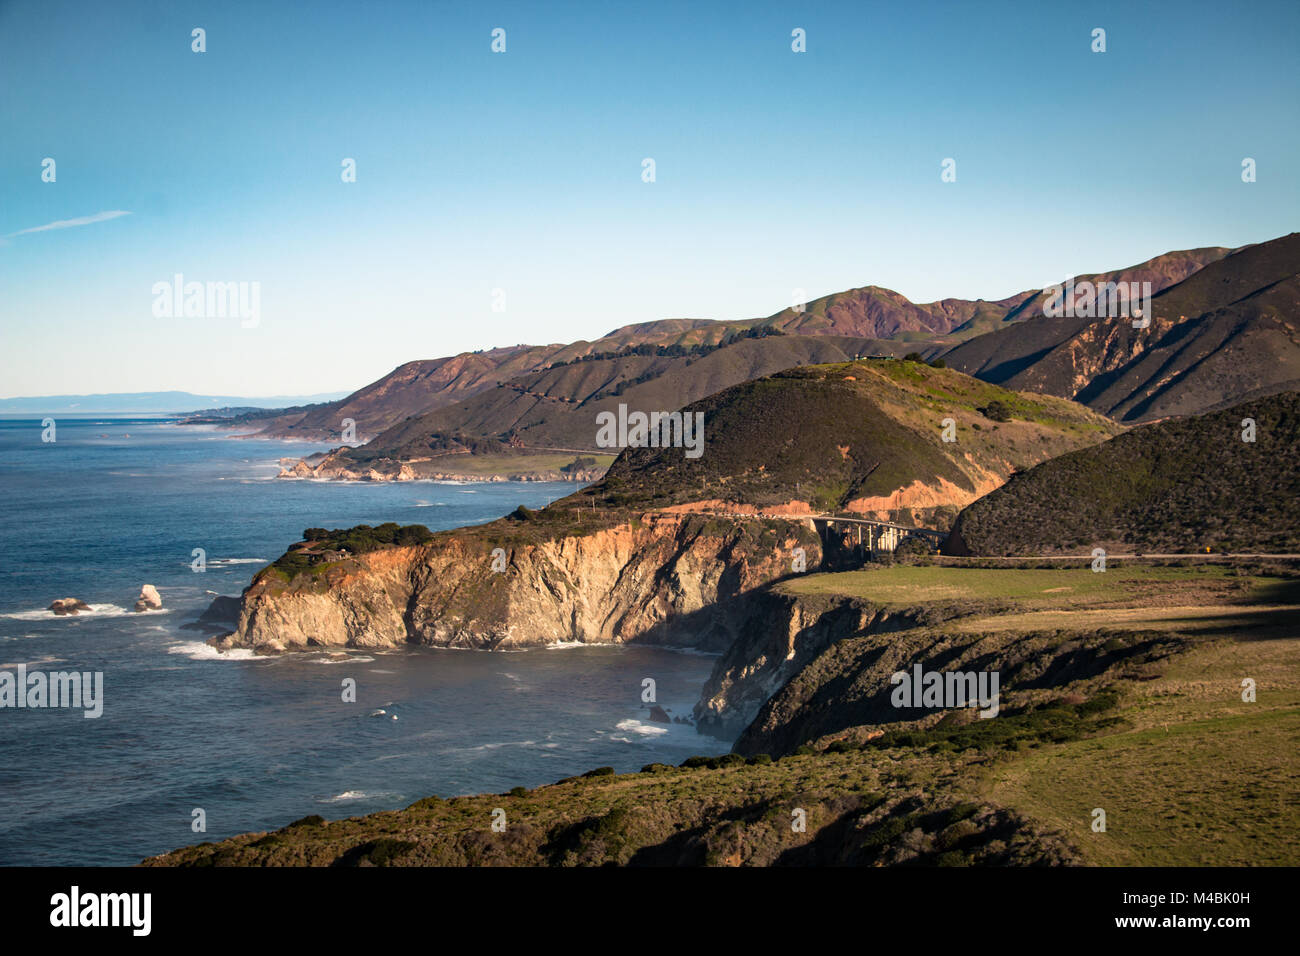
(521, 171)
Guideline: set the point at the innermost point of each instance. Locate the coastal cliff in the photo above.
(670, 579)
(779, 635)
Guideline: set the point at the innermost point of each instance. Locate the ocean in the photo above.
(255, 742)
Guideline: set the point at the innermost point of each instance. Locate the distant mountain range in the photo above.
(1223, 329)
(1226, 332)
(146, 403)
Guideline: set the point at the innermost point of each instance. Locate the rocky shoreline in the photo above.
(677, 579)
(333, 468)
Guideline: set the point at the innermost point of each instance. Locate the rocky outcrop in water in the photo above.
(65, 606)
(149, 600)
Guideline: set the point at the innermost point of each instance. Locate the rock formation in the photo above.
(148, 599)
(658, 578)
(64, 606)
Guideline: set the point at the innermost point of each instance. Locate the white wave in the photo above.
(635, 726)
(349, 795)
(362, 659)
(96, 610)
(220, 561)
(198, 651)
(40, 615)
(495, 746)
(561, 645)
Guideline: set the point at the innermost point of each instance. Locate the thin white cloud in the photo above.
(70, 223)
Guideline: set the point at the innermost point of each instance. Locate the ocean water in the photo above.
(256, 743)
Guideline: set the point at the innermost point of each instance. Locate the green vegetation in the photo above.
(1177, 487)
(996, 411)
(311, 553)
(1195, 777)
(1146, 724)
(831, 434)
(1024, 588)
(1053, 722)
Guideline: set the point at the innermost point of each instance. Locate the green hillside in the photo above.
(834, 434)
(1179, 486)
(557, 407)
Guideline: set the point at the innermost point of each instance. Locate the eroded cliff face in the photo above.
(780, 636)
(678, 580)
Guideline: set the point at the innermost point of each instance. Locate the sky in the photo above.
(499, 197)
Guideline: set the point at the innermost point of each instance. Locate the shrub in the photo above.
(357, 540)
(600, 772)
(912, 550)
(997, 411)
(385, 850)
(715, 763)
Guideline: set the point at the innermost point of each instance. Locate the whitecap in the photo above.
(198, 651)
(636, 726)
(494, 746)
(348, 795)
(360, 659)
(96, 610)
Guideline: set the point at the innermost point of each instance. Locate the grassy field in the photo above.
(1195, 777)
(1036, 588)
